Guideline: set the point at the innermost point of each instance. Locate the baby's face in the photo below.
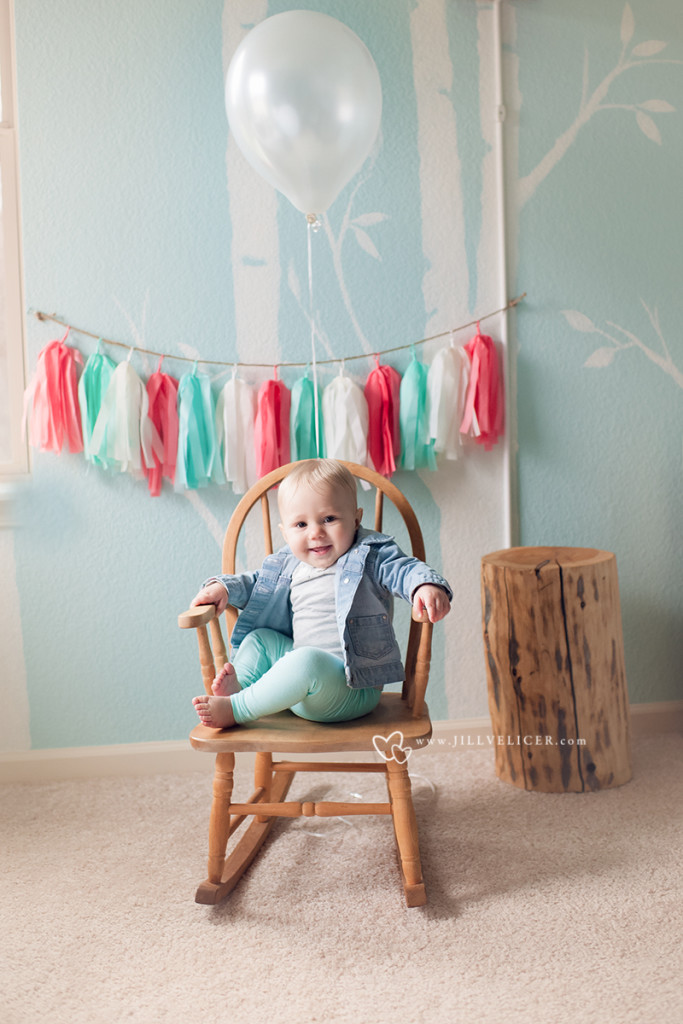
(319, 526)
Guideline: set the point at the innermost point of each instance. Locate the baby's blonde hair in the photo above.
(318, 474)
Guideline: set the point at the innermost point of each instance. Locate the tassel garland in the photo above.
(173, 430)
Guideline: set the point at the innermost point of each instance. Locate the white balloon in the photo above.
(304, 104)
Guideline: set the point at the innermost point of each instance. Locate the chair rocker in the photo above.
(404, 713)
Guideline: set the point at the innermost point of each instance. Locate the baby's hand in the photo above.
(433, 600)
(215, 594)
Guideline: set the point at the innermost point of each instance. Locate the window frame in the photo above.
(17, 464)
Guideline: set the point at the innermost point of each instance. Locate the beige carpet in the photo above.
(543, 909)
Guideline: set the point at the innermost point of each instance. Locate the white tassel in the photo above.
(123, 431)
(345, 416)
(446, 386)
(235, 415)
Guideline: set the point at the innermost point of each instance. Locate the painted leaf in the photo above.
(365, 220)
(627, 25)
(579, 321)
(648, 127)
(293, 282)
(657, 107)
(366, 243)
(601, 357)
(648, 49)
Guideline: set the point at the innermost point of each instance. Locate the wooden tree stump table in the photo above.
(555, 668)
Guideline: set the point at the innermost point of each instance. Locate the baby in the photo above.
(315, 632)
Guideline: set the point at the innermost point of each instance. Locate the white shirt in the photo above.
(314, 619)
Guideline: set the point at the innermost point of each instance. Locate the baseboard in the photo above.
(122, 759)
(177, 757)
(650, 719)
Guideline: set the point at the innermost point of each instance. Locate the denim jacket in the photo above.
(367, 577)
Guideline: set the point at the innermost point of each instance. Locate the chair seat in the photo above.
(287, 733)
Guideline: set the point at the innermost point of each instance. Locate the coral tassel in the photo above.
(384, 437)
(484, 403)
(55, 416)
(271, 430)
(162, 394)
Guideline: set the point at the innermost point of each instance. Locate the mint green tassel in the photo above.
(199, 460)
(302, 422)
(417, 452)
(91, 390)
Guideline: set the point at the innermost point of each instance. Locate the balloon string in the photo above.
(314, 365)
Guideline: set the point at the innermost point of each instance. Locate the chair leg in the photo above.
(263, 778)
(213, 891)
(405, 829)
(219, 826)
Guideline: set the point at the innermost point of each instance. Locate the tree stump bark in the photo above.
(555, 668)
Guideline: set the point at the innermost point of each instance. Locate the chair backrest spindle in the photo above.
(379, 510)
(267, 535)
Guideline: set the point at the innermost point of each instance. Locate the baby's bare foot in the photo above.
(216, 712)
(225, 683)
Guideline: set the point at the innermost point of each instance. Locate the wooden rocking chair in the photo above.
(402, 719)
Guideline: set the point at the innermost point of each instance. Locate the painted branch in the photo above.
(555, 668)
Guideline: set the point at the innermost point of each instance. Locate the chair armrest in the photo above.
(197, 616)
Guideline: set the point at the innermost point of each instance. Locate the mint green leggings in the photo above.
(308, 681)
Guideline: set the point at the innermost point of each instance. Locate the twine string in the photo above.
(320, 362)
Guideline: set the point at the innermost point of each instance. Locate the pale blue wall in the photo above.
(600, 233)
(127, 220)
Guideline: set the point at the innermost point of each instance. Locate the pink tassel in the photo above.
(271, 428)
(484, 415)
(384, 434)
(162, 392)
(55, 416)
